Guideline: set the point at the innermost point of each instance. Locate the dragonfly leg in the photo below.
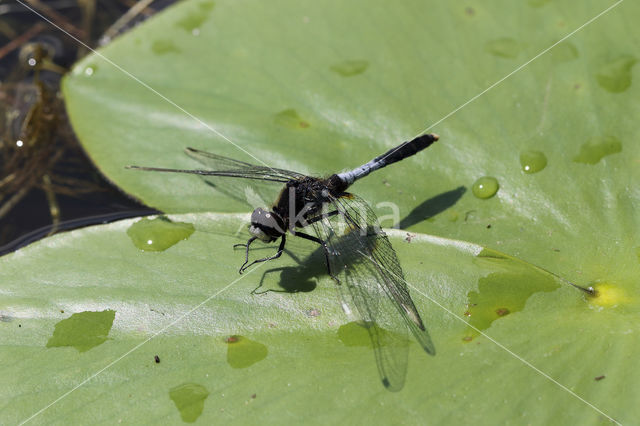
(264, 259)
(246, 258)
(326, 251)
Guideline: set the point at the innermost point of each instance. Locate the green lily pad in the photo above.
(318, 88)
(249, 356)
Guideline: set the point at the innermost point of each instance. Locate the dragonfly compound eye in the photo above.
(267, 226)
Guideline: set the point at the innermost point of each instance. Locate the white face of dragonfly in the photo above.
(266, 226)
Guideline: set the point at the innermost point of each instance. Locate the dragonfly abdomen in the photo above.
(402, 151)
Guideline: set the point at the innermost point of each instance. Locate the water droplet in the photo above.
(83, 330)
(90, 70)
(189, 400)
(243, 352)
(162, 47)
(503, 47)
(485, 187)
(158, 234)
(290, 118)
(615, 76)
(532, 161)
(19, 143)
(350, 68)
(597, 148)
(32, 62)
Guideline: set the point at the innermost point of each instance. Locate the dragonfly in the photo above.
(358, 255)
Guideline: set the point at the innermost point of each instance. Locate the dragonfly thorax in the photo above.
(265, 225)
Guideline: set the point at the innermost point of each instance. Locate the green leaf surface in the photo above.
(321, 87)
(227, 354)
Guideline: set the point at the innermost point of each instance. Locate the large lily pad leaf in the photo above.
(318, 87)
(227, 353)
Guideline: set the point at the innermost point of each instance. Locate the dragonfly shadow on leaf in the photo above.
(431, 207)
(295, 279)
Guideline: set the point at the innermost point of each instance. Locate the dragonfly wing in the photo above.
(362, 258)
(259, 188)
(379, 252)
(220, 163)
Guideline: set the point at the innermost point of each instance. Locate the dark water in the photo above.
(38, 151)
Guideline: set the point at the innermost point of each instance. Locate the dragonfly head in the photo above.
(266, 226)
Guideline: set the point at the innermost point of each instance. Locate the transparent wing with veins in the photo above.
(372, 282)
(258, 186)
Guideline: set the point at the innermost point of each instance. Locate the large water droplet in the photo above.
(158, 234)
(485, 187)
(532, 161)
